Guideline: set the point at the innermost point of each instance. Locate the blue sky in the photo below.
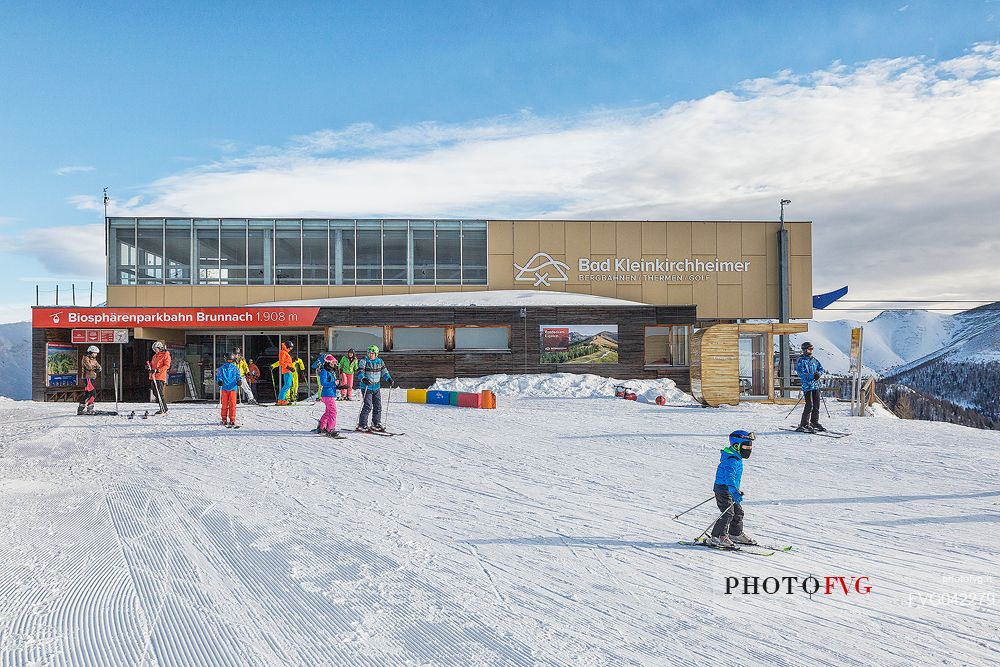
(147, 100)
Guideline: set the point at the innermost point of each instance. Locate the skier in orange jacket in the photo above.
(158, 367)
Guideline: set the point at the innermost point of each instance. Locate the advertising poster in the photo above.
(579, 344)
(175, 374)
(62, 365)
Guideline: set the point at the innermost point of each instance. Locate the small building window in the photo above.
(260, 252)
(343, 339)
(287, 252)
(315, 253)
(667, 345)
(473, 253)
(150, 266)
(482, 338)
(418, 339)
(123, 253)
(233, 252)
(206, 233)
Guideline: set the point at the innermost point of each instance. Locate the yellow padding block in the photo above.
(416, 395)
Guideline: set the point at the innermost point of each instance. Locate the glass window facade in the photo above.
(482, 338)
(418, 339)
(178, 251)
(667, 346)
(343, 339)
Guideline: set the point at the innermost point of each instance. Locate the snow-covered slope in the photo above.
(15, 360)
(538, 533)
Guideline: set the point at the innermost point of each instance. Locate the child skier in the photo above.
(91, 367)
(372, 372)
(317, 367)
(348, 367)
(728, 530)
(228, 378)
(328, 394)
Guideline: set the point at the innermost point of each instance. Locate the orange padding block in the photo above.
(487, 399)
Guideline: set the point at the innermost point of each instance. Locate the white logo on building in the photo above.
(55, 317)
(542, 273)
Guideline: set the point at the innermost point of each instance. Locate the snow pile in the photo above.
(565, 385)
(463, 300)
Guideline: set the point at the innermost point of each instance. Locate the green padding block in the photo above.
(452, 398)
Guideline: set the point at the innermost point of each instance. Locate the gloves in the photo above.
(817, 375)
(364, 380)
(219, 382)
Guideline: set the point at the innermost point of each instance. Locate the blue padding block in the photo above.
(439, 397)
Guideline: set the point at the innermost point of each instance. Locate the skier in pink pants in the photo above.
(328, 394)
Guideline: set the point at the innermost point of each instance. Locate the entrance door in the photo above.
(263, 351)
(754, 358)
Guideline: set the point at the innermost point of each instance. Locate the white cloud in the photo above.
(62, 171)
(895, 161)
(6, 220)
(71, 250)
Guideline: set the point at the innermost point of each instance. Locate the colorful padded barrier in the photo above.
(484, 399)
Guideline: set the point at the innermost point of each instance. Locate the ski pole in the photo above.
(714, 522)
(677, 516)
(114, 368)
(388, 400)
(824, 404)
(794, 406)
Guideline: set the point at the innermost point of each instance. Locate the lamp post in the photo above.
(784, 305)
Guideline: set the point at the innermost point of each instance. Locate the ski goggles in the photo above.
(748, 438)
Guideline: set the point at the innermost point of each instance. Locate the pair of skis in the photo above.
(374, 432)
(751, 549)
(825, 434)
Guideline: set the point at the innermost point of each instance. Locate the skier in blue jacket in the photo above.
(372, 372)
(810, 371)
(728, 529)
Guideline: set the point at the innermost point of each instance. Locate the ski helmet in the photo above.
(93, 349)
(330, 359)
(807, 346)
(158, 346)
(373, 348)
(289, 344)
(232, 356)
(742, 442)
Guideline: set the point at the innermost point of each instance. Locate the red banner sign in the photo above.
(100, 336)
(236, 317)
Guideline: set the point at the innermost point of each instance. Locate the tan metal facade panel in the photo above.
(525, 239)
(501, 237)
(205, 295)
(704, 240)
(801, 286)
(731, 301)
(628, 239)
(552, 235)
(753, 236)
(654, 238)
(149, 295)
(289, 292)
(121, 295)
(233, 295)
(177, 295)
(603, 238)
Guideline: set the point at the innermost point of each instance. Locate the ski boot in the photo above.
(806, 429)
(363, 429)
(90, 409)
(80, 408)
(722, 542)
(743, 538)
(818, 428)
(378, 427)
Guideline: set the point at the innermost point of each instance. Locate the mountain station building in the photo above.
(440, 298)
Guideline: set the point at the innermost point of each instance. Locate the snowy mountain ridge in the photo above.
(895, 341)
(15, 360)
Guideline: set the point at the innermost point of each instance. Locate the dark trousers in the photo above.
(372, 406)
(731, 520)
(810, 413)
(158, 394)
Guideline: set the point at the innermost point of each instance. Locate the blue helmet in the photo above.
(742, 442)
